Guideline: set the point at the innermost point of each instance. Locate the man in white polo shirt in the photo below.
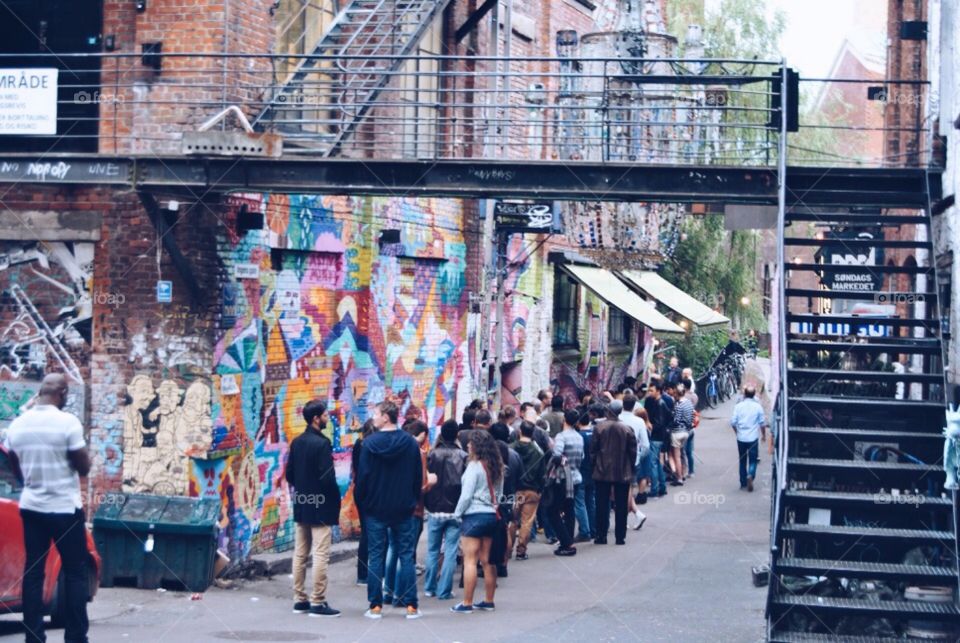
(48, 452)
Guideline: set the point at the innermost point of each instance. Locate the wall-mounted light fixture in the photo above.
(141, 5)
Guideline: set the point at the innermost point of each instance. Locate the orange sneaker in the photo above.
(413, 612)
(375, 612)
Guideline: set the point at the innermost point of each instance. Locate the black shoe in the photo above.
(641, 498)
(501, 571)
(522, 557)
(662, 493)
(749, 484)
(582, 539)
(621, 542)
(565, 551)
(301, 607)
(599, 541)
(323, 611)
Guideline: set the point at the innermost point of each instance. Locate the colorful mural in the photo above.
(333, 313)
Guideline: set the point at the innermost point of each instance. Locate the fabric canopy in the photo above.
(616, 293)
(675, 299)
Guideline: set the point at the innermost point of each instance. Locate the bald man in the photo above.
(48, 452)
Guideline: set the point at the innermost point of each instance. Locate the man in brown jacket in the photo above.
(613, 451)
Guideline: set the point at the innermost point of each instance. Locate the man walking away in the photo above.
(316, 509)
(530, 485)
(447, 461)
(48, 452)
(388, 487)
(584, 504)
(614, 450)
(750, 425)
(554, 417)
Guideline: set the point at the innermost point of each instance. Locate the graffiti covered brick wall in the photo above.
(349, 300)
(46, 303)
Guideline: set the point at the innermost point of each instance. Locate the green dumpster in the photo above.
(157, 541)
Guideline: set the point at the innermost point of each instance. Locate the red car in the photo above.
(12, 554)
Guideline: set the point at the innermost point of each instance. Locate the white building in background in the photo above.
(944, 65)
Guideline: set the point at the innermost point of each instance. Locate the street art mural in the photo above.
(163, 428)
(530, 361)
(337, 311)
(46, 303)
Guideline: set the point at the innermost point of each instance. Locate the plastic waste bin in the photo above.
(157, 541)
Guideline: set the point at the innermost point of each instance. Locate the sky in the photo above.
(816, 30)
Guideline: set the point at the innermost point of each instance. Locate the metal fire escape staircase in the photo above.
(863, 533)
(355, 59)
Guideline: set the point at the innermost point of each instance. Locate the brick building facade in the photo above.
(276, 298)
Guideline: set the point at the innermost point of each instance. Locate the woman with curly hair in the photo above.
(482, 485)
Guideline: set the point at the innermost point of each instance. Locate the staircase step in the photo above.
(909, 347)
(861, 606)
(828, 400)
(804, 637)
(857, 569)
(882, 297)
(862, 464)
(867, 532)
(935, 434)
(828, 374)
(896, 322)
(847, 268)
(856, 243)
(858, 218)
(834, 498)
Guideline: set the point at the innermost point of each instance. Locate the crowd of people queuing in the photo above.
(488, 486)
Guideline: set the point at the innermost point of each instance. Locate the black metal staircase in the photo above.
(863, 533)
(353, 61)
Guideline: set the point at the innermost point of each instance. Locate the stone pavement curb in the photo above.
(281, 563)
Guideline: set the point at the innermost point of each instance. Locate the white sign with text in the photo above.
(28, 101)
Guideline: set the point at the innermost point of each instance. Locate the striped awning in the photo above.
(675, 299)
(612, 290)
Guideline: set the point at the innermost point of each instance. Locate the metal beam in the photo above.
(479, 179)
(474, 19)
(180, 262)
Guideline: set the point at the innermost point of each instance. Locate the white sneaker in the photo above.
(374, 613)
(641, 518)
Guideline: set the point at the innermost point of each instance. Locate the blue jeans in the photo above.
(403, 532)
(749, 451)
(688, 449)
(658, 477)
(580, 510)
(444, 531)
(590, 504)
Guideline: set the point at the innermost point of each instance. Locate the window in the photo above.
(566, 310)
(619, 327)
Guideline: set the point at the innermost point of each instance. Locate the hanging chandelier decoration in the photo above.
(624, 236)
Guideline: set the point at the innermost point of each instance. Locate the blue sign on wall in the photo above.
(164, 292)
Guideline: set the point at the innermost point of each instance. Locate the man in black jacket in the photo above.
(388, 487)
(316, 509)
(447, 461)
